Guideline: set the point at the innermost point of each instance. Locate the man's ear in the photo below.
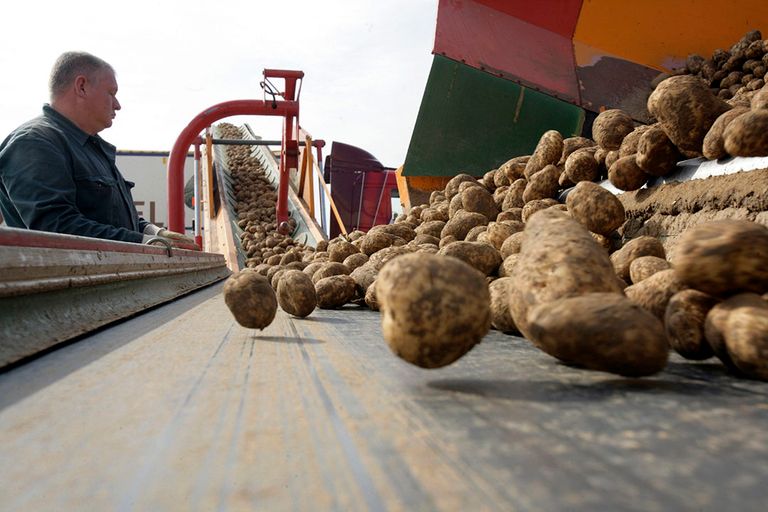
(79, 86)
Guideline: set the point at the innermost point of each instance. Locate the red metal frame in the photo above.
(288, 108)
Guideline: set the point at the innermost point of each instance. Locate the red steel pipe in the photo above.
(287, 109)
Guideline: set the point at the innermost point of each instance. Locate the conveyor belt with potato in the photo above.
(180, 408)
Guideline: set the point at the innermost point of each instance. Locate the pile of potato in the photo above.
(502, 251)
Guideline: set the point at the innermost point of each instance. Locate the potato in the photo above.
(514, 197)
(653, 293)
(558, 259)
(374, 242)
(746, 339)
(452, 187)
(363, 276)
(479, 200)
(355, 260)
(747, 134)
(595, 208)
(644, 267)
(322, 245)
(481, 256)
(276, 278)
(434, 308)
(501, 318)
(378, 259)
(573, 144)
(640, 246)
(684, 323)
(447, 240)
(543, 184)
(428, 248)
(600, 331)
(370, 297)
(626, 175)
(474, 233)
(724, 257)
(498, 232)
(335, 291)
(536, 205)
(251, 299)
(656, 154)
(492, 179)
(582, 166)
(434, 214)
(714, 142)
(433, 228)
(461, 223)
(426, 239)
(602, 240)
(331, 268)
(610, 128)
(512, 244)
(514, 168)
(632, 140)
(296, 293)
(686, 109)
(338, 250)
(548, 151)
(312, 268)
(760, 99)
(507, 267)
(403, 231)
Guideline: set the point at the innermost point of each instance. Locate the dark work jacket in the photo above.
(55, 177)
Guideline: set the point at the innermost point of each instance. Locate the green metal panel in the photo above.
(471, 121)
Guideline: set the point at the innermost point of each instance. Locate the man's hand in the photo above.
(176, 237)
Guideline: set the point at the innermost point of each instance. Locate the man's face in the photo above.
(101, 100)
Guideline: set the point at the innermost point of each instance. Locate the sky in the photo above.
(366, 63)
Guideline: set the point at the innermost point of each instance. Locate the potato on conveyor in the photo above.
(481, 256)
(654, 293)
(558, 259)
(251, 299)
(640, 246)
(610, 128)
(686, 109)
(715, 323)
(746, 339)
(595, 208)
(501, 318)
(645, 266)
(656, 155)
(747, 135)
(626, 175)
(461, 223)
(600, 331)
(296, 293)
(548, 151)
(335, 291)
(434, 308)
(581, 165)
(684, 323)
(714, 141)
(724, 257)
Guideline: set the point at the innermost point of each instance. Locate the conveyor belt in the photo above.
(182, 409)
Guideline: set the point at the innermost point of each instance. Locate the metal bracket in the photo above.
(163, 241)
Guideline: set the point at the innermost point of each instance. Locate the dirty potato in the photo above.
(595, 208)
(626, 175)
(355, 260)
(501, 318)
(747, 134)
(434, 308)
(656, 154)
(335, 291)
(536, 205)
(483, 257)
(452, 187)
(610, 128)
(251, 299)
(433, 228)
(714, 141)
(548, 151)
(514, 196)
(600, 331)
(582, 166)
(461, 223)
(512, 244)
(686, 109)
(370, 297)
(746, 339)
(654, 293)
(684, 323)
(479, 200)
(543, 184)
(645, 266)
(724, 257)
(640, 246)
(374, 242)
(632, 140)
(562, 260)
(338, 250)
(498, 232)
(331, 268)
(296, 293)
(573, 144)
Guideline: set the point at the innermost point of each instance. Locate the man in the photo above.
(57, 174)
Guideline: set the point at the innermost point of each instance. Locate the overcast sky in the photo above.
(365, 62)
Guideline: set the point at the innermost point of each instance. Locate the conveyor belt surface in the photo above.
(180, 408)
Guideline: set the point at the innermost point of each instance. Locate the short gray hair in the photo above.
(71, 64)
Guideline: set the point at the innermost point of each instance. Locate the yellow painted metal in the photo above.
(662, 33)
